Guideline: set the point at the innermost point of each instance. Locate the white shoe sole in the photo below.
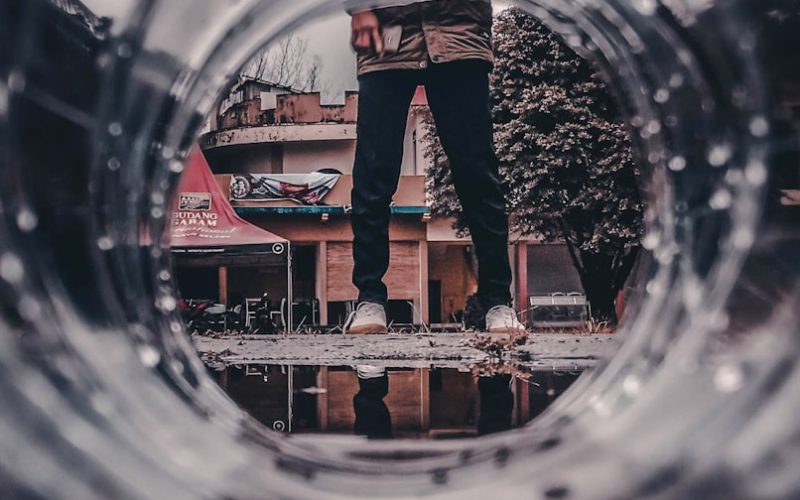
(370, 328)
(507, 330)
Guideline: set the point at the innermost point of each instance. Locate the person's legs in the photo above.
(383, 103)
(497, 404)
(372, 415)
(458, 94)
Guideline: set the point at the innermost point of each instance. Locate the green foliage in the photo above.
(563, 153)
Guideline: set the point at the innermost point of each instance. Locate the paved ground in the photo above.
(558, 352)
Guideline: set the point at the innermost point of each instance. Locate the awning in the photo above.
(204, 225)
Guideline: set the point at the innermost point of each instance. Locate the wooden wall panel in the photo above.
(402, 279)
(406, 390)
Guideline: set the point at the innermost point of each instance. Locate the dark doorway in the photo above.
(400, 311)
(198, 282)
(435, 301)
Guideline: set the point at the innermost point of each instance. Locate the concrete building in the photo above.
(271, 130)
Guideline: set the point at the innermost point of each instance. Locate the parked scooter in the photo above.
(206, 315)
(263, 323)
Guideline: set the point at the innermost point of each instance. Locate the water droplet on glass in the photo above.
(599, 405)
(759, 126)
(650, 241)
(105, 243)
(167, 153)
(167, 303)
(729, 378)
(756, 172)
(115, 129)
(661, 96)
(733, 176)
(157, 198)
(739, 96)
(176, 166)
(676, 80)
(693, 293)
(677, 163)
(113, 164)
(719, 320)
(721, 200)
(3, 99)
(747, 42)
(103, 60)
(124, 50)
(156, 213)
(646, 7)
(654, 287)
(16, 82)
(149, 356)
(631, 385)
(102, 404)
(743, 238)
(29, 308)
(27, 220)
(164, 275)
(719, 155)
(664, 256)
(11, 269)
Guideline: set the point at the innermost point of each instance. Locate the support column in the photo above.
(423, 281)
(425, 399)
(223, 284)
(522, 401)
(322, 398)
(223, 379)
(321, 281)
(521, 279)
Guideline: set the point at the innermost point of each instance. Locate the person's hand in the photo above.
(365, 34)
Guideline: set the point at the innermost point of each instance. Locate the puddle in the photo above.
(391, 402)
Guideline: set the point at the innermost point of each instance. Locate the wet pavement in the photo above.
(426, 386)
(541, 351)
(422, 403)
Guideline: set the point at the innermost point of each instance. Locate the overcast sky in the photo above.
(329, 38)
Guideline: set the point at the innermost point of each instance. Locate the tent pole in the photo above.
(289, 297)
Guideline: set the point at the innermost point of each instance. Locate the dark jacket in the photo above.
(434, 31)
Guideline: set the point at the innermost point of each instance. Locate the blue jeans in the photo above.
(458, 95)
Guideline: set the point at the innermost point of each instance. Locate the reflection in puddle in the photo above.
(378, 402)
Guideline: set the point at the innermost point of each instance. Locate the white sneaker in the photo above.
(368, 317)
(503, 319)
(366, 372)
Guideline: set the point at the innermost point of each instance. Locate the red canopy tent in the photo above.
(206, 231)
(205, 224)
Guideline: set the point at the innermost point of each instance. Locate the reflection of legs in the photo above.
(383, 105)
(458, 94)
(497, 403)
(372, 415)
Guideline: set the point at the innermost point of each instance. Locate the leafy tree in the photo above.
(563, 153)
